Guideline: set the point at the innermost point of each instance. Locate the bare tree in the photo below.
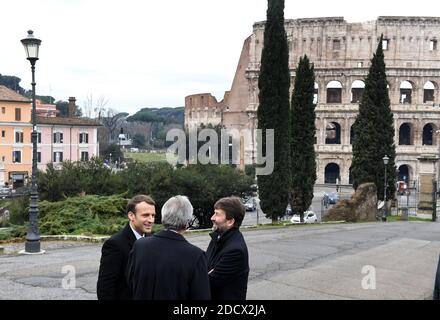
(94, 109)
(111, 119)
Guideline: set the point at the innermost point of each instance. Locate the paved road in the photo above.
(301, 262)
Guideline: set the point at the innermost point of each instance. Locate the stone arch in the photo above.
(406, 92)
(428, 135)
(406, 134)
(334, 92)
(331, 173)
(333, 133)
(429, 92)
(404, 173)
(357, 89)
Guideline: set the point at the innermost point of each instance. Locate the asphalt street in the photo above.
(392, 260)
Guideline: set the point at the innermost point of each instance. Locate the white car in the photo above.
(250, 205)
(309, 217)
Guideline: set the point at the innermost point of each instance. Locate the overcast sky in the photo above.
(145, 53)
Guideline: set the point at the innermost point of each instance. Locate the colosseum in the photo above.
(342, 53)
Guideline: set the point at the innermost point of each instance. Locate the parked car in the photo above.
(250, 205)
(5, 192)
(309, 217)
(331, 198)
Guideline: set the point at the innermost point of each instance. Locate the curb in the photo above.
(75, 238)
(194, 232)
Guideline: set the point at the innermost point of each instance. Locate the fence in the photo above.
(406, 201)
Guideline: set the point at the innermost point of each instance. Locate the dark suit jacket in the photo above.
(228, 258)
(436, 295)
(166, 266)
(112, 283)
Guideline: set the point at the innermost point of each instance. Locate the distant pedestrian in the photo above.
(166, 266)
(436, 295)
(112, 283)
(228, 259)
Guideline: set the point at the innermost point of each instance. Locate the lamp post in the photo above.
(31, 46)
(385, 162)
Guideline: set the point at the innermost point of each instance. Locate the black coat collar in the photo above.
(222, 237)
(129, 234)
(168, 234)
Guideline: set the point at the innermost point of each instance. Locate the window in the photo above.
(57, 157)
(18, 137)
(334, 92)
(336, 45)
(84, 156)
(83, 137)
(428, 92)
(39, 157)
(16, 156)
(58, 137)
(433, 45)
(17, 114)
(3, 158)
(385, 43)
(406, 92)
(360, 64)
(3, 110)
(3, 133)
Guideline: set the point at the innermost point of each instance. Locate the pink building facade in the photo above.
(66, 139)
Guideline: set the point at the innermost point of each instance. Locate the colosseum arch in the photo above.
(406, 92)
(334, 92)
(404, 173)
(406, 134)
(357, 89)
(332, 172)
(429, 135)
(429, 92)
(333, 133)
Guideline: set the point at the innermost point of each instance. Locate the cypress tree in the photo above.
(374, 131)
(302, 143)
(273, 111)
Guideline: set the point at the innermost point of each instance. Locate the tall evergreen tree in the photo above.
(273, 111)
(374, 131)
(302, 143)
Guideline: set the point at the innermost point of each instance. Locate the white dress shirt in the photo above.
(136, 234)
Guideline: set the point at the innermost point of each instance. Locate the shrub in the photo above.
(83, 215)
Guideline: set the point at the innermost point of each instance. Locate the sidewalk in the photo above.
(381, 273)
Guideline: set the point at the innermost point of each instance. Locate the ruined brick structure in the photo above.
(341, 53)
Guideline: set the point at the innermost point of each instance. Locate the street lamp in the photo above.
(31, 46)
(385, 162)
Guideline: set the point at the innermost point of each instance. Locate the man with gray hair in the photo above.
(166, 266)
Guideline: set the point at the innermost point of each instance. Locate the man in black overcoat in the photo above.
(227, 253)
(112, 283)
